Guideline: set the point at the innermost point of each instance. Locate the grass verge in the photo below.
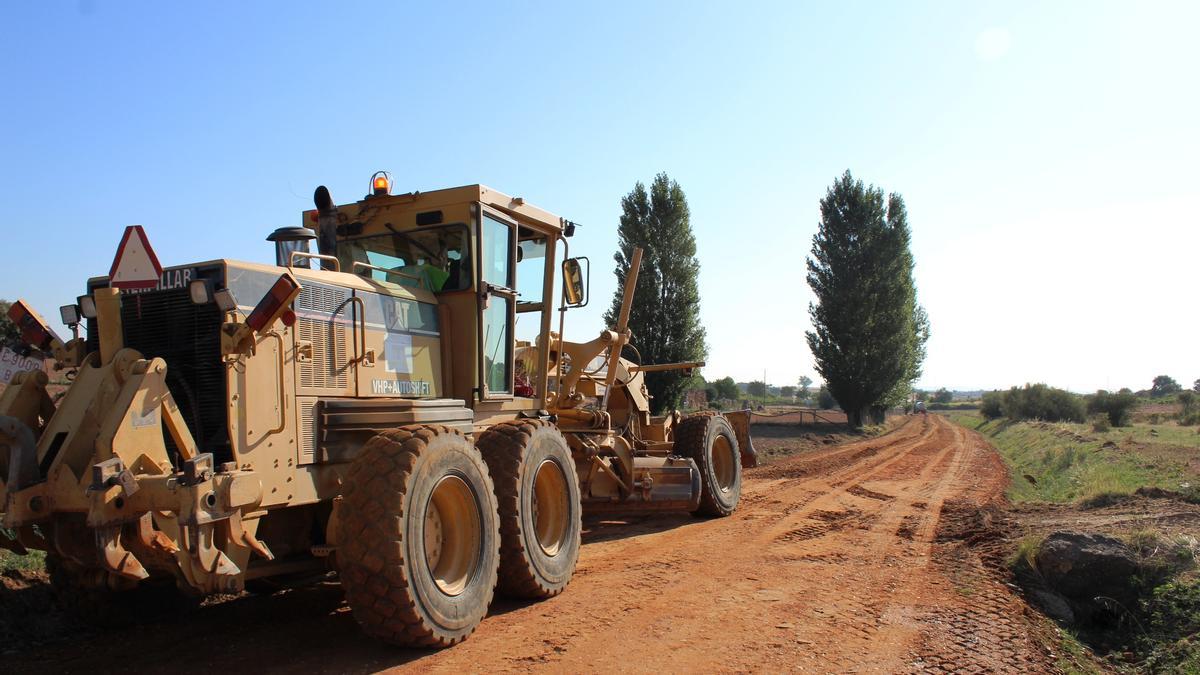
(1071, 462)
(11, 562)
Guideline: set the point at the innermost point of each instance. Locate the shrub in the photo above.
(1118, 407)
(1189, 412)
(825, 399)
(1174, 610)
(1100, 423)
(1025, 556)
(1041, 402)
(952, 406)
(991, 407)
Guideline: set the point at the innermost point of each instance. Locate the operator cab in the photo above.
(488, 258)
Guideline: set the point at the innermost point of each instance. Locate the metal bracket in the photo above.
(112, 472)
(198, 469)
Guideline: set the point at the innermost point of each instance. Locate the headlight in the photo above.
(200, 292)
(87, 306)
(69, 314)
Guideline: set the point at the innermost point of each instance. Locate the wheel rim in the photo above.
(721, 460)
(550, 508)
(452, 534)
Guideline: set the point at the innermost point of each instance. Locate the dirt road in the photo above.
(849, 558)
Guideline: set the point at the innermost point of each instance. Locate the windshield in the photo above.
(434, 258)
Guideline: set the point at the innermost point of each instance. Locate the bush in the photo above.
(1118, 407)
(825, 399)
(1101, 422)
(950, 406)
(992, 405)
(1174, 610)
(1189, 405)
(1041, 402)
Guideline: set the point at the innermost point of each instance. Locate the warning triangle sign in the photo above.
(135, 266)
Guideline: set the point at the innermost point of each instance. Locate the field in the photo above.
(1066, 462)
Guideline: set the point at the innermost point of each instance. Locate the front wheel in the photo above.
(709, 440)
(540, 510)
(419, 539)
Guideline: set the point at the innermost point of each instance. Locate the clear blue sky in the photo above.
(1047, 151)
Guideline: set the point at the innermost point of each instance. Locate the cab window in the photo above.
(434, 258)
(531, 271)
(495, 269)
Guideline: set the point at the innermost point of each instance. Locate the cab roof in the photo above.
(523, 212)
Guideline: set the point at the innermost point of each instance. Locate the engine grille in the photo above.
(319, 309)
(168, 325)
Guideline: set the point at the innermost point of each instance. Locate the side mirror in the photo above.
(576, 279)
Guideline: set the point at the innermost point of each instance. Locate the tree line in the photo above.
(869, 331)
(1103, 408)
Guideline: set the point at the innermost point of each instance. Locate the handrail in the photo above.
(361, 328)
(337, 264)
(357, 264)
(282, 385)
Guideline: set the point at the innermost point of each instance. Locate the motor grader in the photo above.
(399, 407)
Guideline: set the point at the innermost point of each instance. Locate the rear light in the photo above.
(34, 330)
(277, 301)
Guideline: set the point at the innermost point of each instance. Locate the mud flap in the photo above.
(740, 421)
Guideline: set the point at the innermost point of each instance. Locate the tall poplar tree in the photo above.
(665, 316)
(869, 333)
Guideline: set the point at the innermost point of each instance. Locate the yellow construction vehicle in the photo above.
(399, 408)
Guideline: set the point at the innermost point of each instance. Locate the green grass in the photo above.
(1070, 462)
(34, 562)
(1072, 657)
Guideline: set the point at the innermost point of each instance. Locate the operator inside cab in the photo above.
(435, 258)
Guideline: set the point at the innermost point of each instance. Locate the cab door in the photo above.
(497, 303)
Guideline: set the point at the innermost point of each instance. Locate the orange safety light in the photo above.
(35, 332)
(274, 304)
(381, 184)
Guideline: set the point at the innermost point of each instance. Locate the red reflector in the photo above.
(288, 318)
(34, 330)
(274, 303)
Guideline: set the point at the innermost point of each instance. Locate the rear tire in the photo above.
(419, 537)
(709, 440)
(537, 490)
